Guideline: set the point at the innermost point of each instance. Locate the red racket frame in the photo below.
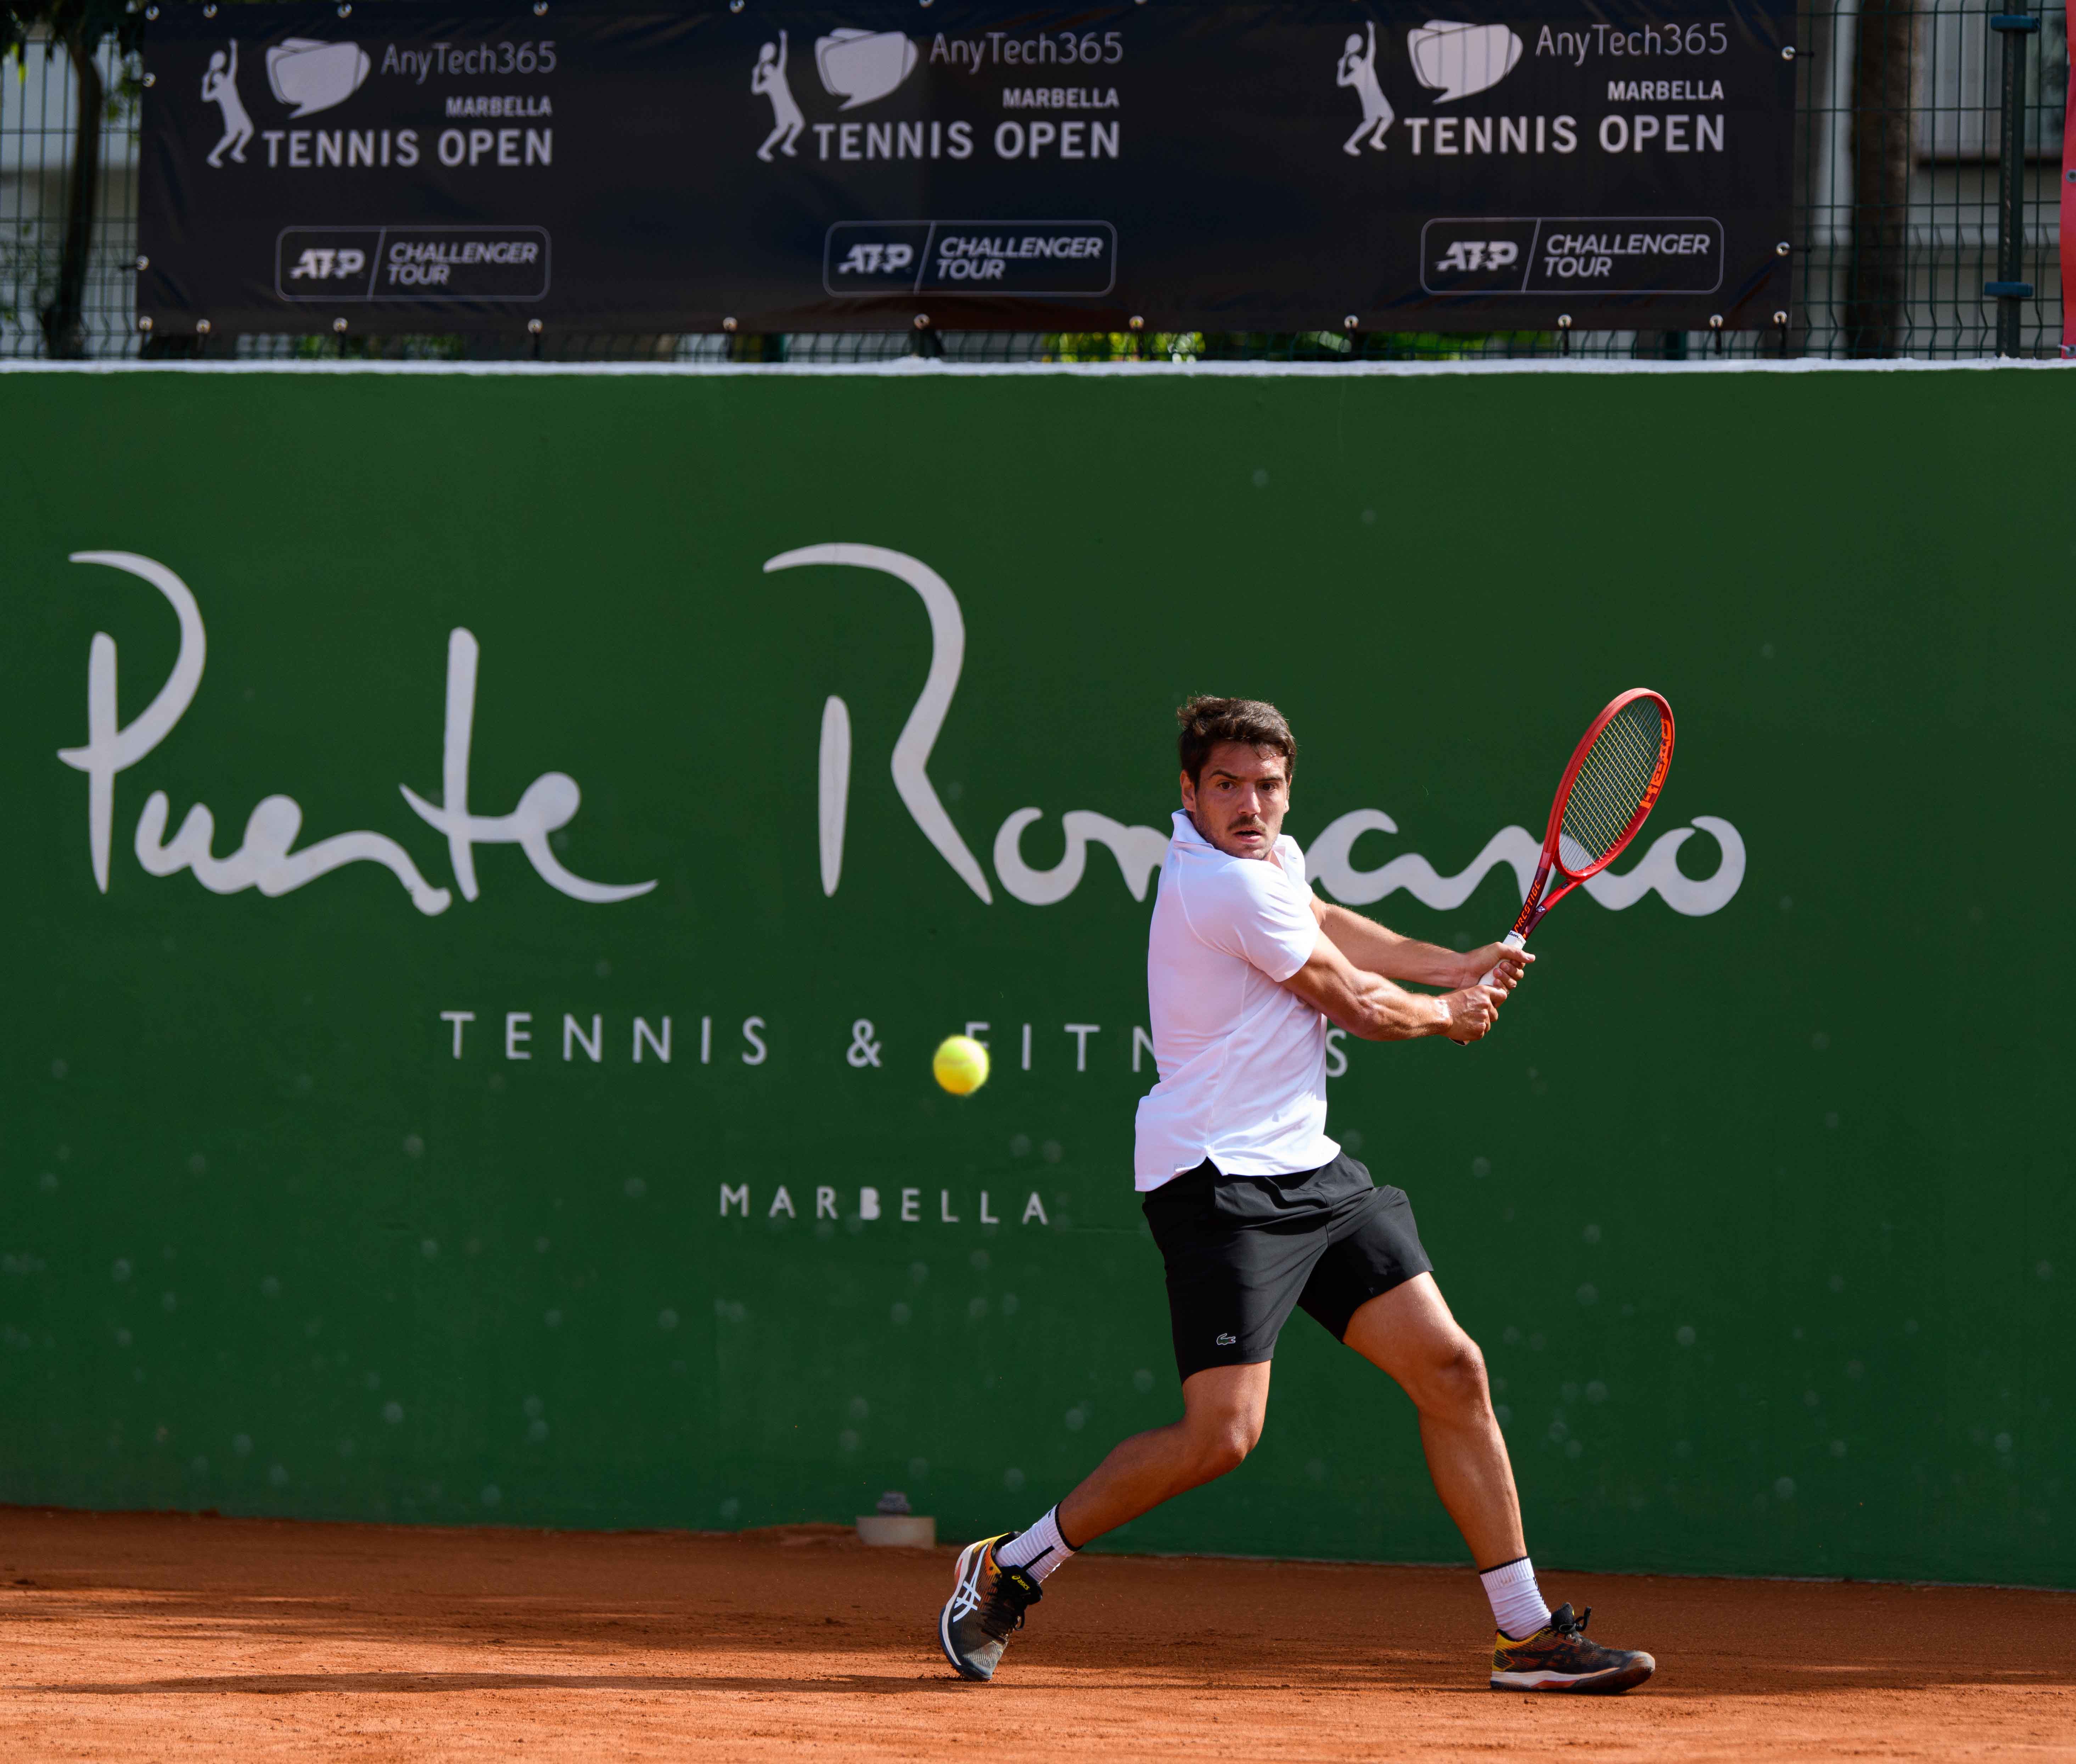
(1533, 908)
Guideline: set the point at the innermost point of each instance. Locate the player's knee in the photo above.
(1223, 1441)
(1456, 1380)
(1226, 1451)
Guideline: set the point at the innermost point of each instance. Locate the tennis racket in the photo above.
(1606, 792)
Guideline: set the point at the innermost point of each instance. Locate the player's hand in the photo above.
(1507, 966)
(1472, 1012)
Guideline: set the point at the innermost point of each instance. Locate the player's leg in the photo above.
(1375, 1288)
(1237, 1255)
(1222, 1410)
(1409, 1333)
(999, 1578)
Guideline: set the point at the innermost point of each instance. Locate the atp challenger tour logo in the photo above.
(269, 858)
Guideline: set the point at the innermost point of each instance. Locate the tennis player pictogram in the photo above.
(768, 80)
(219, 86)
(1358, 68)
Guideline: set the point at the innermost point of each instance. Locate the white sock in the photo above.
(1517, 1601)
(1039, 1550)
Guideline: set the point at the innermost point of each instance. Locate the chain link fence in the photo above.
(1925, 174)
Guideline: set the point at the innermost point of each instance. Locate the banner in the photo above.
(1173, 165)
(491, 856)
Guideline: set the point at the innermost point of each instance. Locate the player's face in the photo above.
(1239, 801)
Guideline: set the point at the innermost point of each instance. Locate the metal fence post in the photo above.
(2009, 291)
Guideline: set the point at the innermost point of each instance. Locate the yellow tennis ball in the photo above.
(960, 1064)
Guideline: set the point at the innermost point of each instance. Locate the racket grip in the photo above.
(1513, 940)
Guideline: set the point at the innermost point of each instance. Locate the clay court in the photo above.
(150, 1635)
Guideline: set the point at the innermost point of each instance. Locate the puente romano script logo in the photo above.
(270, 858)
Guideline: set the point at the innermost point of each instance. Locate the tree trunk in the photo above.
(65, 326)
(1884, 85)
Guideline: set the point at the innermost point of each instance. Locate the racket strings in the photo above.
(1611, 784)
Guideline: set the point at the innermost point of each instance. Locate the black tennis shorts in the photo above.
(1241, 1250)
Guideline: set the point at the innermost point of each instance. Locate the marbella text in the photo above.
(735, 1202)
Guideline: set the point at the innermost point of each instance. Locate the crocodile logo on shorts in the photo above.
(1228, 1341)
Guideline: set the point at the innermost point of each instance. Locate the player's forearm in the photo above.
(1379, 950)
(1381, 1011)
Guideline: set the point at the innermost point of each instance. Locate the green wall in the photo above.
(1758, 1207)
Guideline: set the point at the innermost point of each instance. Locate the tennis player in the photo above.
(1256, 1210)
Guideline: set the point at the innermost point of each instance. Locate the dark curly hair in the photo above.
(1207, 721)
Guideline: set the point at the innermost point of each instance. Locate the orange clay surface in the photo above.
(138, 1635)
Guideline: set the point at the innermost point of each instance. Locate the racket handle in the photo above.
(1513, 940)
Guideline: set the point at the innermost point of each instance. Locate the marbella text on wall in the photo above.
(1224, 164)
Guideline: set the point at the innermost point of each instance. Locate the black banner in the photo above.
(1283, 165)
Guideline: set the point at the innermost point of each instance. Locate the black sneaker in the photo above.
(1557, 1657)
(985, 1608)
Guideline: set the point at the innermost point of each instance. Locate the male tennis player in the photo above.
(1256, 1210)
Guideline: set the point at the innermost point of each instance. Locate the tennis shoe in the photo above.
(985, 1608)
(1557, 1657)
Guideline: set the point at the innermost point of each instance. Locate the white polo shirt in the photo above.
(1243, 1062)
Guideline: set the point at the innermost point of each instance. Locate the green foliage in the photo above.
(1319, 345)
(1124, 346)
(64, 22)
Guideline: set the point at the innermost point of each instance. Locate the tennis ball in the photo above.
(960, 1064)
